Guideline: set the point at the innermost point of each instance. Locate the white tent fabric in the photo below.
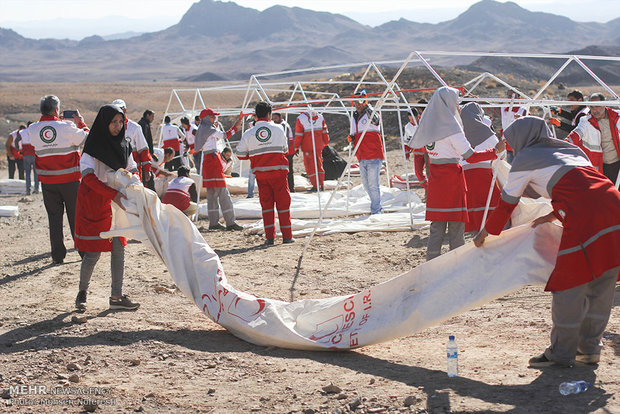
(12, 186)
(433, 292)
(375, 222)
(9, 211)
(306, 205)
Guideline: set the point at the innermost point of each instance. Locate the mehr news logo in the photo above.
(263, 134)
(47, 134)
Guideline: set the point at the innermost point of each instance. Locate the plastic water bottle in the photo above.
(453, 357)
(574, 387)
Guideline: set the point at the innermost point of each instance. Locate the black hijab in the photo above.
(110, 150)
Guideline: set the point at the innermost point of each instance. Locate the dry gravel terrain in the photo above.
(169, 357)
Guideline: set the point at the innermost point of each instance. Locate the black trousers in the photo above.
(58, 198)
(290, 176)
(13, 164)
(611, 171)
(175, 163)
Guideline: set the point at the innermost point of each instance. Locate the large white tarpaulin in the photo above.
(426, 295)
(309, 205)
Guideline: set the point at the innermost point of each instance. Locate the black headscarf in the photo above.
(111, 150)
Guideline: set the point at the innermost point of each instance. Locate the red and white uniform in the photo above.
(447, 191)
(171, 136)
(590, 242)
(57, 148)
(371, 146)
(139, 146)
(587, 136)
(16, 149)
(177, 193)
(418, 154)
(478, 177)
(212, 171)
(312, 136)
(93, 213)
(157, 166)
(266, 146)
(190, 136)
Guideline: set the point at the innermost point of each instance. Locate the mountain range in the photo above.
(222, 40)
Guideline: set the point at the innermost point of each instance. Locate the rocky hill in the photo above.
(223, 39)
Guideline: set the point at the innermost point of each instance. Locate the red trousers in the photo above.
(273, 190)
(310, 172)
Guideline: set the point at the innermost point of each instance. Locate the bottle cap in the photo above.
(451, 338)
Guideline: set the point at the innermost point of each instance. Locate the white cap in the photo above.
(119, 102)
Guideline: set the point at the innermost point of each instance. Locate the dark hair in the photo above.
(422, 101)
(147, 113)
(22, 127)
(197, 118)
(277, 113)
(262, 109)
(168, 151)
(576, 94)
(48, 104)
(226, 149)
(29, 123)
(414, 112)
(167, 119)
(185, 120)
(183, 172)
(598, 96)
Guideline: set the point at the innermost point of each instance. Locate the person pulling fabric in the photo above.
(441, 133)
(588, 206)
(106, 150)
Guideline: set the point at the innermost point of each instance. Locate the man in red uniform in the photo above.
(312, 136)
(213, 178)
(370, 151)
(597, 135)
(266, 146)
(14, 155)
(56, 145)
(276, 117)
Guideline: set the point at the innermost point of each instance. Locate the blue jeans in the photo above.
(251, 184)
(370, 170)
(28, 167)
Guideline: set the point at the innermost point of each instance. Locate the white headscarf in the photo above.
(440, 119)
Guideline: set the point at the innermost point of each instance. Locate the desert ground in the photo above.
(169, 357)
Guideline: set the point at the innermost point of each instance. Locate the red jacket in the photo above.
(307, 129)
(587, 136)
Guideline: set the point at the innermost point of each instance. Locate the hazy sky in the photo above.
(76, 18)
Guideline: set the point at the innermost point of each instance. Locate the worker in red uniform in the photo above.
(312, 136)
(597, 135)
(56, 145)
(588, 206)
(14, 154)
(266, 146)
(440, 131)
(213, 178)
(139, 145)
(182, 193)
(106, 150)
(478, 175)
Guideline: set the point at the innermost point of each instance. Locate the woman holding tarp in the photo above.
(478, 175)
(105, 151)
(588, 206)
(441, 134)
